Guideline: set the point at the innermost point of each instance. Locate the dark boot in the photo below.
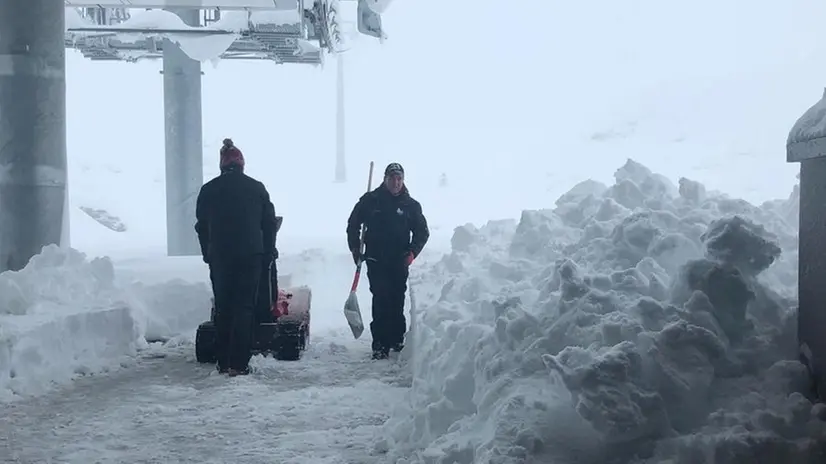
(237, 372)
(381, 353)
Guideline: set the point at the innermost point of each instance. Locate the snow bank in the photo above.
(64, 315)
(641, 322)
(60, 316)
(169, 309)
(55, 280)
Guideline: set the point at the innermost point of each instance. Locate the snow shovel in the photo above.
(351, 306)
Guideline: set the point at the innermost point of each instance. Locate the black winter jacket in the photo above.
(234, 218)
(390, 221)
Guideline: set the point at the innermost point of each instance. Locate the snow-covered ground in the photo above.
(606, 326)
(166, 409)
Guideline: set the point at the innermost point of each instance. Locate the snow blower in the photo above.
(282, 320)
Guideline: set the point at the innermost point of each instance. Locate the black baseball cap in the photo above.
(393, 168)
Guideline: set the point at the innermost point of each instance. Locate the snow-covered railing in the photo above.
(225, 5)
(292, 35)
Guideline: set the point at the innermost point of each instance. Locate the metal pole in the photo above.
(184, 142)
(33, 187)
(341, 166)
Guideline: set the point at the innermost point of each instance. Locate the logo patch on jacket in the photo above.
(399, 211)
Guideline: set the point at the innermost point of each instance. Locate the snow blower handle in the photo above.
(361, 236)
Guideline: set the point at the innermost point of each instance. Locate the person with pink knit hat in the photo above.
(235, 223)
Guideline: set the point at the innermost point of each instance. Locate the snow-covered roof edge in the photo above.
(378, 6)
(807, 138)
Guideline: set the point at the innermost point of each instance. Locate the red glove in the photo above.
(409, 258)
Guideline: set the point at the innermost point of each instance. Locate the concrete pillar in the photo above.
(184, 142)
(811, 292)
(33, 193)
(341, 164)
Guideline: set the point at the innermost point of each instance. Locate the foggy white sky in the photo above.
(503, 96)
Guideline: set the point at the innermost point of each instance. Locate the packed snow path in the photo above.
(167, 408)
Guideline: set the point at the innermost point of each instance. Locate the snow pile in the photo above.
(169, 309)
(641, 322)
(55, 280)
(64, 315)
(60, 316)
(171, 296)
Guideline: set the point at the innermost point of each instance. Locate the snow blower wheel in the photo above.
(205, 343)
(283, 331)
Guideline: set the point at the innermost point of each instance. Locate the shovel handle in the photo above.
(364, 226)
(356, 279)
(361, 235)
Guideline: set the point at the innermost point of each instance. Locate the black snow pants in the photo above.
(235, 287)
(388, 284)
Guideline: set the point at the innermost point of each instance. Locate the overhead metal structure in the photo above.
(291, 31)
(183, 33)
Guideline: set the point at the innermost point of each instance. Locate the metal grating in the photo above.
(260, 41)
(226, 5)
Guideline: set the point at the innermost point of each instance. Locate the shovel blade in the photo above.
(353, 315)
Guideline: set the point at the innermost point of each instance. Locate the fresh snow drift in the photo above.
(64, 315)
(641, 322)
(61, 316)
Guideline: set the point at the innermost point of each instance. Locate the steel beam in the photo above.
(181, 4)
(184, 142)
(33, 180)
(341, 164)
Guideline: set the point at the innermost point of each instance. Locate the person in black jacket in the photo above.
(390, 216)
(235, 223)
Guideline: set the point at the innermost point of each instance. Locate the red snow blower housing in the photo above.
(282, 320)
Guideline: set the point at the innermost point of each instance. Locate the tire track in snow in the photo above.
(325, 408)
